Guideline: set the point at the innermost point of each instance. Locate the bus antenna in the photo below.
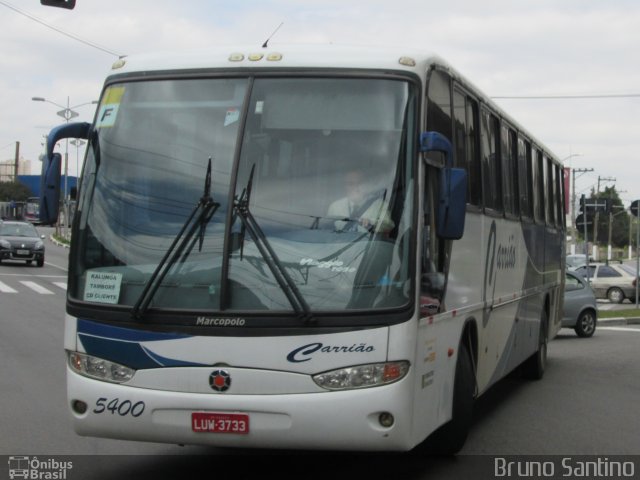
(264, 45)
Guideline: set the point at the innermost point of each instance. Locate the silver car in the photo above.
(613, 281)
(580, 308)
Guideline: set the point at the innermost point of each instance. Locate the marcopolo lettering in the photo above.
(304, 353)
(220, 322)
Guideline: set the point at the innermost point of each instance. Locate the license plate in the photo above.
(23, 252)
(237, 423)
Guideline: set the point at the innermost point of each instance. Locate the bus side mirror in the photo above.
(452, 195)
(51, 169)
(50, 188)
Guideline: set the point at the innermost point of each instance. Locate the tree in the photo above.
(14, 191)
(612, 216)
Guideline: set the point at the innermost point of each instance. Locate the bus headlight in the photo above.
(99, 369)
(362, 376)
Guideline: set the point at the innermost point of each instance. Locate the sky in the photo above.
(507, 48)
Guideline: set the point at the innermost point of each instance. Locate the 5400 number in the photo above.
(122, 408)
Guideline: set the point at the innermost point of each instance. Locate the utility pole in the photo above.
(17, 160)
(581, 171)
(595, 223)
(604, 179)
(611, 215)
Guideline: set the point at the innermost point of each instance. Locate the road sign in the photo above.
(67, 114)
(580, 220)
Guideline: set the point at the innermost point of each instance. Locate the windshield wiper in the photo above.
(182, 245)
(286, 283)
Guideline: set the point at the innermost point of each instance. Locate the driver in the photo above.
(359, 211)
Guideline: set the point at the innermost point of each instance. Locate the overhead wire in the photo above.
(59, 30)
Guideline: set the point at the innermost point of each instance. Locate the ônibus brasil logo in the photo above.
(33, 468)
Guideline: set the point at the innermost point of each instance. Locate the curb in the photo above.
(619, 321)
(56, 242)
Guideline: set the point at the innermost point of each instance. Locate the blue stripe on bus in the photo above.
(120, 333)
(122, 345)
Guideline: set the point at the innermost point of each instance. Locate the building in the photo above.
(8, 169)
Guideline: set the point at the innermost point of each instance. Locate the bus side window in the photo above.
(524, 178)
(465, 110)
(509, 161)
(491, 170)
(438, 108)
(537, 187)
(432, 277)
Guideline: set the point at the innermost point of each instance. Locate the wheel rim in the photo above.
(615, 295)
(588, 323)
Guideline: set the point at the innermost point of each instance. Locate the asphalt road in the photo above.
(587, 404)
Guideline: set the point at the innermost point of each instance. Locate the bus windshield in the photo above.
(311, 178)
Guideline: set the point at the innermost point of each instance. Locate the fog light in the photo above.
(79, 406)
(386, 419)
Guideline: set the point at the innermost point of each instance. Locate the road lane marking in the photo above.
(4, 288)
(620, 329)
(30, 275)
(36, 288)
(62, 285)
(56, 266)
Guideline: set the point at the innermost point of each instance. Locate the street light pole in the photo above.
(67, 113)
(574, 230)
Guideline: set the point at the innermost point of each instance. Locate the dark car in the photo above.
(580, 308)
(20, 241)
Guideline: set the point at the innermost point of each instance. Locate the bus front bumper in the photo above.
(341, 420)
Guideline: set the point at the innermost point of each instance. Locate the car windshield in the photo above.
(576, 260)
(311, 178)
(628, 269)
(18, 230)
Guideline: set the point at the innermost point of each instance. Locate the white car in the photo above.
(574, 261)
(613, 281)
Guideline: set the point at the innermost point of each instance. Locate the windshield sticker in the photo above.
(109, 109)
(232, 116)
(333, 265)
(102, 287)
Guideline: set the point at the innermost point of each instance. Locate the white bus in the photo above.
(304, 247)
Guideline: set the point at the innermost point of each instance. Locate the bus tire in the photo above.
(533, 367)
(450, 438)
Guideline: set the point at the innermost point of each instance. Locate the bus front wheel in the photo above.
(449, 438)
(533, 367)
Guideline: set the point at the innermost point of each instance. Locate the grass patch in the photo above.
(60, 239)
(632, 312)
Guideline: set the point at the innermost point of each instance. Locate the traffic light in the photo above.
(584, 213)
(635, 206)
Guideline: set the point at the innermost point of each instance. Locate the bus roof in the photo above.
(328, 56)
(281, 56)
